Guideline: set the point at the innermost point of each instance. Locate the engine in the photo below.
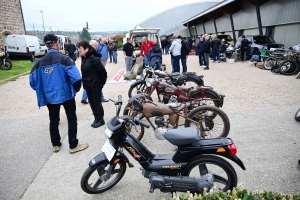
(159, 132)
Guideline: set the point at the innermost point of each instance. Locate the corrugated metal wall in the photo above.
(171, 20)
(287, 34)
(245, 18)
(223, 23)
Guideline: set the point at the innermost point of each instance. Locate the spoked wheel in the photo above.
(297, 115)
(289, 67)
(137, 89)
(225, 177)
(138, 131)
(212, 122)
(95, 179)
(6, 66)
(270, 62)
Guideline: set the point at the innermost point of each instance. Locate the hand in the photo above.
(125, 56)
(187, 56)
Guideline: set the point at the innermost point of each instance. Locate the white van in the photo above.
(25, 45)
(62, 39)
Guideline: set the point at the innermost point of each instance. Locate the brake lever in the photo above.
(135, 127)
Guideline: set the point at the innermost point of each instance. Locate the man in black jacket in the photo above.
(71, 48)
(185, 50)
(244, 47)
(215, 43)
(207, 47)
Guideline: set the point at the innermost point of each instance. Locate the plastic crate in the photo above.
(265, 52)
(230, 61)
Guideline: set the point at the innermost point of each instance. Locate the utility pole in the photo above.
(41, 11)
(33, 30)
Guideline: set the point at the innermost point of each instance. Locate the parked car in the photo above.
(259, 42)
(25, 45)
(227, 37)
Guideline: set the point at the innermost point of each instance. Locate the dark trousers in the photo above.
(183, 62)
(216, 54)
(95, 100)
(176, 65)
(206, 56)
(110, 56)
(243, 51)
(70, 109)
(202, 59)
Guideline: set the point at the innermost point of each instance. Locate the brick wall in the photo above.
(11, 19)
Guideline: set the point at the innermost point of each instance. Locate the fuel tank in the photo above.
(150, 110)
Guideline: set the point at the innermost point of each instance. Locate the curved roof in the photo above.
(170, 20)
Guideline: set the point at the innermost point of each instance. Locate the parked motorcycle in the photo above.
(188, 169)
(5, 64)
(175, 78)
(211, 122)
(167, 92)
(297, 115)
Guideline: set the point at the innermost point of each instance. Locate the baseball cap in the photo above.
(50, 38)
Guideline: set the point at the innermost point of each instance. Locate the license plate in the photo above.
(109, 150)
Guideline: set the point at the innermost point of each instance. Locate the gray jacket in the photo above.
(176, 47)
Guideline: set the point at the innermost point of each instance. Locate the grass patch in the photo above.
(18, 67)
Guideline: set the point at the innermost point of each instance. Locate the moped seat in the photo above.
(173, 74)
(185, 89)
(183, 136)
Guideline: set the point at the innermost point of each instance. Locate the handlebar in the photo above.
(138, 121)
(118, 103)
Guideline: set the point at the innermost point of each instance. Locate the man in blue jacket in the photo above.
(56, 80)
(103, 50)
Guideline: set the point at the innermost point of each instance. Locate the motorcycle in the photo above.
(297, 115)
(210, 121)
(197, 164)
(175, 78)
(5, 64)
(167, 92)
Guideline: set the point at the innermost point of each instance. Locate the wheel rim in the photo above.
(209, 122)
(5, 66)
(98, 181)
(222, 179)
(269, 63)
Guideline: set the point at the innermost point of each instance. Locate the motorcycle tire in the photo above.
(209, 115)
(289, 67)
(207, 94)
(6, 66)
(270, 62)
(100, 169)
(130, 128)
(297, 115)
(140, 88)
(199, 167)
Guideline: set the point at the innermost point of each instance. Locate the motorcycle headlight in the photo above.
(149, 82)
(108, 133)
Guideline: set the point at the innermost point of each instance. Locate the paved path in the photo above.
(260, 106)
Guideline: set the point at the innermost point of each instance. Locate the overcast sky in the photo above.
(102, 15)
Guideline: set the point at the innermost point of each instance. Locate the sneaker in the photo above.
(206, 68)
(99, 123)
(79, 147)
(84, 102)
(56, 149)
(219, 61)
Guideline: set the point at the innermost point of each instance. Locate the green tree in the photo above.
(85, 35)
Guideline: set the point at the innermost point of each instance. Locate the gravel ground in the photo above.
(260, 106)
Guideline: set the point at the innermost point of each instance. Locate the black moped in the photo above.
(196, 164)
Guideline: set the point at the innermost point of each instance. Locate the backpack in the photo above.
(156, 48)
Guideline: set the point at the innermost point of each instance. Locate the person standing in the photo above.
(190, 41)
(244, 47)
(185, 50)
(163, 45)
(167, 46)
(207, 47)
(110, 48)
(215, 44)
(113, 47)
(56, 80)
(102, 49)
(200, 51)
(145, 48)
(94, 77)
(128, 52)
(176, 53)
(223, 46)
(71, 48)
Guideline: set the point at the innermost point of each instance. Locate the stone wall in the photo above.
(11, 19)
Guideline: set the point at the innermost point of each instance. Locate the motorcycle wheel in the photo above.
(224, 174)
(93, 180)
(6, 66)
(297, 115)
(129, 127)
(270, 62)
(212, 122)
(137, 89)
(288, 67)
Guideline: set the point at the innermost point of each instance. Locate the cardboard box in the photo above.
(260, 64)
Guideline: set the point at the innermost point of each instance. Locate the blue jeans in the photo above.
(146, 60)
(115, 57)
(110, 56)
(166, 50)
(176, 65)
(206, 56)
(155, 61)
(183, 62)
(201, 59)
(216, 53)
(84, 96)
